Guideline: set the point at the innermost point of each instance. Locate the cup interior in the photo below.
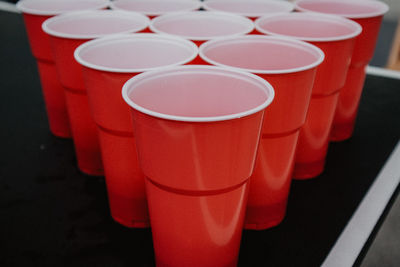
(52, 7)
(351, 9)
(262, 54)
(250, 8)
(198, 93)
(308, 27)
(156, 7)
(135, 53)
(200, 25)
(96, 23)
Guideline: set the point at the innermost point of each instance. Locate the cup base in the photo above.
(90, 171)
(131, 224)
(58, 122)
(308, 170)
(129, 212)
(264, 217)
(54, 99)
(65, 134)
(341, 132)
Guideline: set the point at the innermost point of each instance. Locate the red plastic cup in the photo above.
(154, 8)
(66, 33)
(290, 66)
(369, 15)
(200, 26)
(107, 64)
(35, 12)
(335, 36)
(197, 144)
(270, 182)
(252, 9)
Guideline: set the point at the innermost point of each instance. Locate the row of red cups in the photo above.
(217, 186)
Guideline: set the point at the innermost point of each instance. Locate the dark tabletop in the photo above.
(53, 215)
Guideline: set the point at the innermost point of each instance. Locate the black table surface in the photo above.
(53, 215)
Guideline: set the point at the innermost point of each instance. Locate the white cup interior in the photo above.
(55, 7)
(249, 8)
(262, 54)
(309, 27)
(200, 25)
(197, 93)
(94, 24)
(156, 7)
(349, 9)
(135, 53)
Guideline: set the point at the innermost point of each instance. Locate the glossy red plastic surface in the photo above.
(292, 96)
(123, 55)
(314, 135)
(196, 230)
(205, 169)
(38, 40)
(52, 89)
(84, 130)
(369, 15)
(284, 117)
(84, 133)
(336, 38)
(198, 60)
(197, 150)
(125, 181)
(270, 182)
(347, 108)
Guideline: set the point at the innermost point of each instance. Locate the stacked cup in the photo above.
(335, 36)
(200, 26)
(369, 14)
(66, 32)
(35, 12)
(107, 64)
(290, 66)
(197, 130)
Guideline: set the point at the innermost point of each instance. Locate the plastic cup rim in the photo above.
(98, 14)
(262, 83)
(383, 8)
(289, 5)
(243, 20)
(287, 40)
(326, 17)
(119, 37)
(196, 5)
(20, 6)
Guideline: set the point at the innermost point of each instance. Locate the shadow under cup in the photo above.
(107, 64)
(290, 66)
(197, 130)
